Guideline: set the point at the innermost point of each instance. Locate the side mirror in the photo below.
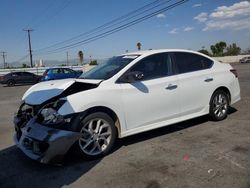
(131, 77)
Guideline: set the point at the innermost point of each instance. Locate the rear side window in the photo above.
(68, 71)
(188, 62)
(154, 66)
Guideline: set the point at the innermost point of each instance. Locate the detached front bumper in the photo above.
(44, 144)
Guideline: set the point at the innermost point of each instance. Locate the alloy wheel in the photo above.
(220, 105)
(96, 136)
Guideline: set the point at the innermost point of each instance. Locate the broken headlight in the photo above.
(49, 113)
(51, 116)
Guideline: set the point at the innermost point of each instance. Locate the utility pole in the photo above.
(29, 30)
(4, 55)
(67, 58)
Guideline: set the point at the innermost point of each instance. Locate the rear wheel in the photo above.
(219, 106)
(98, 135)
(11, 83)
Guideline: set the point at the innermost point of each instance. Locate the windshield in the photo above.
(109, 68)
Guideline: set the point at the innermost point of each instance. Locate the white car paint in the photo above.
(147, 104)
(43, 91)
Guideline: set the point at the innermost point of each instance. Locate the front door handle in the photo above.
(171, 86)
(208, 79)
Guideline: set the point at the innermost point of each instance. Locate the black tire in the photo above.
(218, 109)
(11, 83)
(82, 122)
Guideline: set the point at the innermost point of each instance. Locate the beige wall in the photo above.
(230, 59)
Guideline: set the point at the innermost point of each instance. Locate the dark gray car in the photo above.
(13, 78)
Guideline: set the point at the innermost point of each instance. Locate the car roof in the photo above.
(20, 72)
(149, 52)
(58, 68)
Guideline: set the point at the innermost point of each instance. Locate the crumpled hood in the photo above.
(43, 91)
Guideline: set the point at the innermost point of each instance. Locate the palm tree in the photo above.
(80, 55)
(138, 45)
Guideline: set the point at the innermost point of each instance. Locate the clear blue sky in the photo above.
(192, 25)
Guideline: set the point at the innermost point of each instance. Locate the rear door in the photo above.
(196, 81)
(60, 74)
(69, 73)
(55, 73)
(153, 99)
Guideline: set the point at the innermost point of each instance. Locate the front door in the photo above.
(154, 98)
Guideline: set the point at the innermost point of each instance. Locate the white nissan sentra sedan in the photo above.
(128, 94)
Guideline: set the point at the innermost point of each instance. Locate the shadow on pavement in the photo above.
(162, 131)
(17, 170)
(232, 110)
(167, 130)
(17, 85)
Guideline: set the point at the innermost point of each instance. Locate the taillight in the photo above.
(234, 71)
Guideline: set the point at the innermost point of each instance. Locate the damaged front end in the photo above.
(23, 116)
(41, 132)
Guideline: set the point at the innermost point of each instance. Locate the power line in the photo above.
(22, 58)
(43, 11)
(124, 26)
(65, 4)
(30, 51)
(123, 18)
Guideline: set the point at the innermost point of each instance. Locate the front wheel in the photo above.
(98, 135)
(11, 83)
(219, 106)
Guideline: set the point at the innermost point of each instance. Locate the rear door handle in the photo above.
(208, 79)
(171, 86)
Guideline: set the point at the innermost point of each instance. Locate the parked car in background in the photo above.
(59, 73)
(245, 60)
(128, 94)
(13, 78)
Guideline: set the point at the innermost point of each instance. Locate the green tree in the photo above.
(218, 48)
(25, 65)
(93, 62)
(233, 49)
(204, 51)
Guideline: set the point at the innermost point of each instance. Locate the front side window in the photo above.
(153, 66)
(106, 70)
(54, 71)
(68, 71)
(189, 62)
(16, 74)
